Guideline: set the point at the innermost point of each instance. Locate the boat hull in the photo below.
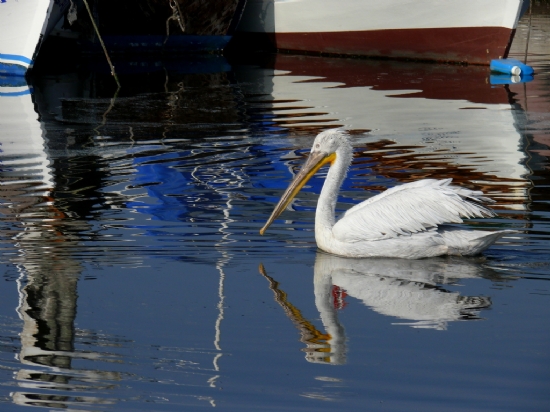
(157, 26)
(176, 44)
(477, 45)
(23, 25)
(472, 32)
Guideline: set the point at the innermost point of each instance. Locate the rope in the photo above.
(113, 73)
(71, 14)
(176, 15)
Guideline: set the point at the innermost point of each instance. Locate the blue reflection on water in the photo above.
(166, 185)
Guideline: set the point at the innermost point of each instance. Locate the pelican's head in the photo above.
(331, 141)
(326, 147)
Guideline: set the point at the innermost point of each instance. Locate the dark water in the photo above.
(135, 277)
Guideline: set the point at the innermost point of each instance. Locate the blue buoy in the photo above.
(511, 66)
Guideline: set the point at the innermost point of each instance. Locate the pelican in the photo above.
(407, 221)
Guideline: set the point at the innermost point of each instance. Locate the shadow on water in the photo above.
(178, 171)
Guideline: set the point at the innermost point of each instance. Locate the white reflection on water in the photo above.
(22, 147)
(446, 117)
(48, 238)
(48, 279)
(409, 290)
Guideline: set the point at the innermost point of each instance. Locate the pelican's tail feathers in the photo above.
(470, 242)
(475, 197)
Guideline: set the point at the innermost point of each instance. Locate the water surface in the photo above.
(135, 277)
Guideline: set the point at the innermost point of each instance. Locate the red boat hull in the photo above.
(472, 45)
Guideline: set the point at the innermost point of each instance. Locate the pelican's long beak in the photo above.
(313, 163)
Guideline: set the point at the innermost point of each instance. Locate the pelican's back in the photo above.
(408, 209)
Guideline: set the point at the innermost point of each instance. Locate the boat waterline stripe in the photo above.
(15, 57)
(14, 94)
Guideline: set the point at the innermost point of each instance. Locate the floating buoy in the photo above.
(511, 66)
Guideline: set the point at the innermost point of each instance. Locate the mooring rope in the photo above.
(176, 15)
(113, 73)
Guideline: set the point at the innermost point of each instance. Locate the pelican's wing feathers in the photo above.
(410, 208)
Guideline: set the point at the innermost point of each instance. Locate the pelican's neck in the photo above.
(326, 206)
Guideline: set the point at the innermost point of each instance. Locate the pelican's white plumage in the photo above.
(408, 221)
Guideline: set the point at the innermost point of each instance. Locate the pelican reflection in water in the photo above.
(407, 290)
(406, 221)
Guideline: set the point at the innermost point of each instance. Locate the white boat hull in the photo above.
(469, 31)
(23, 25)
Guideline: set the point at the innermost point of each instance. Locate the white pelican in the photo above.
(406, 221)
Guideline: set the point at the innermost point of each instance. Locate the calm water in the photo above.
(135, 277)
